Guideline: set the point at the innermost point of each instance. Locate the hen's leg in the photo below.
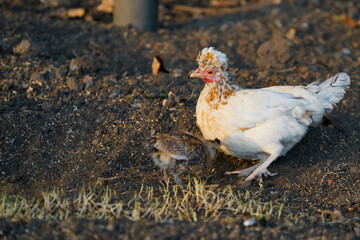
(262, 169)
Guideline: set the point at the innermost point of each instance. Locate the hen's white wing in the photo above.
(249, 108)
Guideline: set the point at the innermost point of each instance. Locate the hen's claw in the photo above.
(258, 174)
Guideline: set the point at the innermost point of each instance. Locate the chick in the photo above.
(179, 152)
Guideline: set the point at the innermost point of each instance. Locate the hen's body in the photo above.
(261, 123)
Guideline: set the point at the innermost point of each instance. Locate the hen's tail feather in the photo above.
(332, 90)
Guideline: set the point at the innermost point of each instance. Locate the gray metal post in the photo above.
(141, 14)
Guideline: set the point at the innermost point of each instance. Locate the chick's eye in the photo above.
(210, 72)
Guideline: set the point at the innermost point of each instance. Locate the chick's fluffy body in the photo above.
(180, 152)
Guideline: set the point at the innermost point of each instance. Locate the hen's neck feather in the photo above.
(217, 93)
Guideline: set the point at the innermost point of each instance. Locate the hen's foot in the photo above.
(244, 172)
(258, 173)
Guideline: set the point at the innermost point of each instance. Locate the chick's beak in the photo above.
(196, 73)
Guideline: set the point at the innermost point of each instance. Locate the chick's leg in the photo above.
(262, 169)
(166, 176)
(177, 179)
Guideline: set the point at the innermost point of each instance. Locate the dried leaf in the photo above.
(346, 19)
(76, 13)
(106, 6)
(351, 22)
(158, 65)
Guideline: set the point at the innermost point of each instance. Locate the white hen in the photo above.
(259, 124)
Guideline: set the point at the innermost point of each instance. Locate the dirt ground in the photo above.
(78, 102)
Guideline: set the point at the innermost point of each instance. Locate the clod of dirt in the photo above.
(170, 100)
(82, 65)
(88, 81)
(355, 172)
(158, 65)
(357, 229)
(177, 72)
(41, 78)
(23, 47)
(335, 215)
(46, 107)
(6, 84)
(73, 84)
(278, 53)
(55, 3)
(59, 13)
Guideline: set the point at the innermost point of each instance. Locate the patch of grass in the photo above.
(197, 201)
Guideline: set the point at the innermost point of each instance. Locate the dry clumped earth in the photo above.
(79, 105)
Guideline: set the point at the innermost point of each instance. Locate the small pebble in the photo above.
(250, 222)
(23, 47)
(346, 51)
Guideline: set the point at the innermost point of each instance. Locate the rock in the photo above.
(278, 53)
(23, 47)
(346, 51)
(250, 222)
(42, 78)
(73, 84)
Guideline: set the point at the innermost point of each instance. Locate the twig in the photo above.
(214, 11)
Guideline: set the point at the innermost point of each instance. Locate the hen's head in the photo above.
(212, 64)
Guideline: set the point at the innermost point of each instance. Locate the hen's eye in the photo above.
(210, 72)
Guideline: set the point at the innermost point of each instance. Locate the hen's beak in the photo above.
(196, 73)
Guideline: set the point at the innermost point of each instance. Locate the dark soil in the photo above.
(78, 102)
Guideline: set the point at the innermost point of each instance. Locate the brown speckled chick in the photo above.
(179, 152)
